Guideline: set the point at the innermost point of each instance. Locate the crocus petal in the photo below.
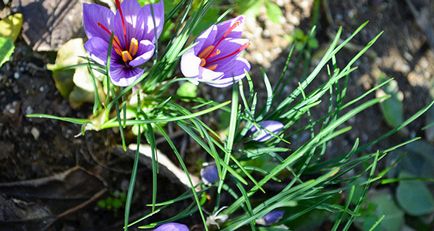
(139, 23)
(209, 174)
(134, 20)
(206, 75)
(267, 128)
(157, 21)
(233, 72)
(190, 64)
(145, 52)
(94, 14)
(217, 49)
(271, 218)
(130, 10)
(224, 26)
(122, 75)
(97, 47)
(173, 226)
(205, 39)
(227, 46)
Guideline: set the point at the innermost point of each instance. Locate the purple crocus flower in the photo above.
(209, 174)
(268, 129)
(135, 32)
(270, 218)
(172, 227)
(215, 58)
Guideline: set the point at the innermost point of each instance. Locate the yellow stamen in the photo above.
(216, 52)
(205, 52)
(126, 56)
(202, 62)
(212, 67)
(134, 46)
(118, 51)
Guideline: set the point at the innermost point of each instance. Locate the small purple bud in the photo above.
(270, 218)
(267, 128)
(209, 174)
(172, 226)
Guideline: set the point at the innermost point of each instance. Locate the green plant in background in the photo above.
(414, 162)
(303, 41)
(114, 202)
(393, 108)
(252, 8)
(258, 165)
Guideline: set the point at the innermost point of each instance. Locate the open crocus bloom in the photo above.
(135, 31)
(215, 58)
(173, 226)
(267, 130)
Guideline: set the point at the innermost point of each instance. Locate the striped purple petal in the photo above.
(267, 130)
(173, 226)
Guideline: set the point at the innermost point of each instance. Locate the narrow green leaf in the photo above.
(6, 49)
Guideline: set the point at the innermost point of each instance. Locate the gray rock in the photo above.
(49, 23)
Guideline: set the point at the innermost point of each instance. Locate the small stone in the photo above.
(59, 22)
(16, 75)
(124, 185)
(11, 108)
(35, 133)
(29, 110)
(15, 89)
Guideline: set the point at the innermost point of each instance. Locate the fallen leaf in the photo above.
(10, 27)
(73, 84)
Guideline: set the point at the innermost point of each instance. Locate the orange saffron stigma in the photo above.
(212, 50)
(117, 43)
(227, 32)
(118, 6)
(232, 28)
(127, 55)
(243, 47)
